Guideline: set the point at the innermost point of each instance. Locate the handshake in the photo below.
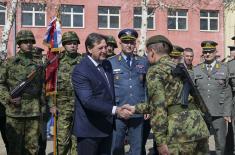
(125, 111)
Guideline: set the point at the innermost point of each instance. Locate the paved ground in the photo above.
(148, 146)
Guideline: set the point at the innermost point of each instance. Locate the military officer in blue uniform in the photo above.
(129, 81)
(211, 78)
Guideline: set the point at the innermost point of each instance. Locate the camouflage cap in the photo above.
(70, 36)
(111, 40)
(128, 35)
(208, 45)
(159, 39)
(177, 51)
(23, 35)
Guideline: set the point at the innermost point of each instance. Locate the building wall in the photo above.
(229, 29)
(189, 38)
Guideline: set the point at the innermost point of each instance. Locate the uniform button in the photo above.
(208, 90)
(131, 95)
(129, 78)
(208, 96)
(208, 84)
(130, 86)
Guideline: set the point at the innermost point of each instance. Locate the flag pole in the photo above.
(54, 98)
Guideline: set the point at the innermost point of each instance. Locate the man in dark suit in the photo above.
(92, 79)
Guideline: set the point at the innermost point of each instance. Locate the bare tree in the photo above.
(173, 4)
(11, 12)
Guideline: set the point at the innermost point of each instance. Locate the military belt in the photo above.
(179, 108)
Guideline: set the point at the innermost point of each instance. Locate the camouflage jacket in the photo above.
(164, 92)
(15, 71)
(64, 85)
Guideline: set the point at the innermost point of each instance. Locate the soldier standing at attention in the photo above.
(23, 112)
(211, 78)
(111, 45)
(65, 94)
(178, 129)
(129, 81)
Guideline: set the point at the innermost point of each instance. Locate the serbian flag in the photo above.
(52, 40)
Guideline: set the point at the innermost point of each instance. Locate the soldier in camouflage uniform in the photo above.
(65, 95)
(211, 78)
(111, 45)
(178, 130)
(23, 112)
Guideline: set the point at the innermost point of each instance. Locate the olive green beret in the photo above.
(159, 39)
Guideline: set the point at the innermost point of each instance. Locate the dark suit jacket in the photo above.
(94, 99)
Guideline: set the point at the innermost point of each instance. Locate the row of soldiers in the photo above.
(214, 80)
(26, 114)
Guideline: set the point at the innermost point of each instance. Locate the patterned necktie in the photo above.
(128, 60)
(101, 69)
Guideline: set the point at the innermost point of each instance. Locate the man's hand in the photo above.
(124, 111)
(163, 150)
(227, 119)
(129, 108)
(146, 116)
(15, 101)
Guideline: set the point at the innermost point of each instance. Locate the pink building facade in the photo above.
(184, 26)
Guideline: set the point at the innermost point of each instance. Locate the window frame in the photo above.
(71, 13)
(177, 18)
(208, 18)
(108, 15)
(5, 12)
(33, 12)
(153, 16)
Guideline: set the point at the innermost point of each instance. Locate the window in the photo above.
(72, 16)
(109, 17)
(33, 14)
(138, 18)
(209, 20)
(177, 19)
(2, 14)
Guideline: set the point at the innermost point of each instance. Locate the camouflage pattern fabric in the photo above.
(65, 103)
(15, 71)
(186, 126)
(21, 135)
(22, 120)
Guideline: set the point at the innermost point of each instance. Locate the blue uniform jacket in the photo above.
(129, 82)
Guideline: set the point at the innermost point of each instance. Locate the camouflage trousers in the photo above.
(67, 143)
(22, 134)
(199, 147)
